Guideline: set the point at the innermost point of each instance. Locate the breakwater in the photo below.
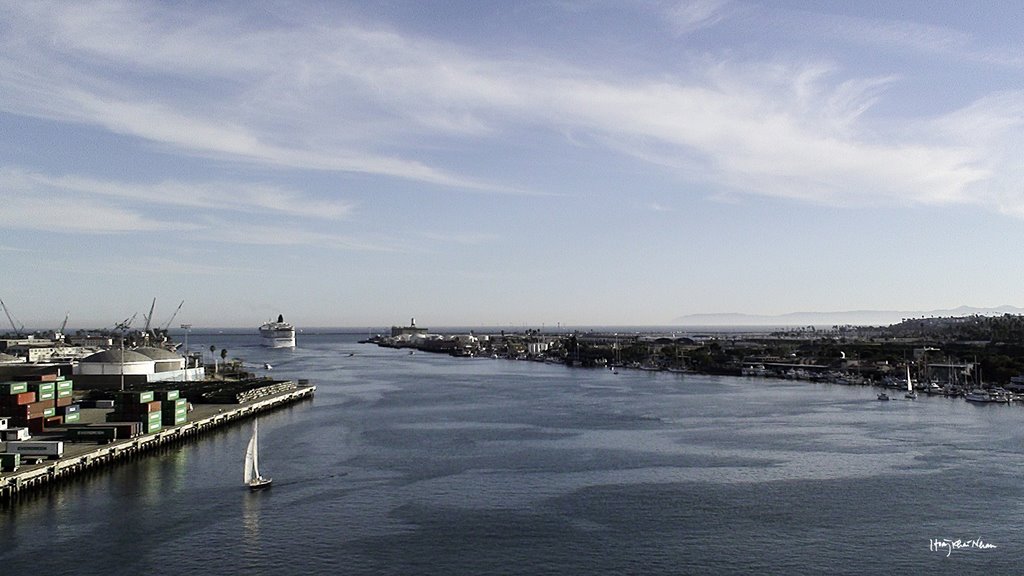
(79, 459)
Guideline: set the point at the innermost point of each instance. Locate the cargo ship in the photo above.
(278, 334)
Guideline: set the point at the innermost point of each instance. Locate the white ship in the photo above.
(278, 334)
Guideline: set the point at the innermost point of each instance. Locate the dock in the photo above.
(80, 458)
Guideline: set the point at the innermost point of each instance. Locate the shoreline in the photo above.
(80, 457)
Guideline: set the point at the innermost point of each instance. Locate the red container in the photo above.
(33, 410)
(54, 421)
(65, 401)
(41, 378)
(19, 399)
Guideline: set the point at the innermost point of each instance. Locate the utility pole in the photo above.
(187, 328)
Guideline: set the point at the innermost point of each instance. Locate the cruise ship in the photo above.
(278, 334)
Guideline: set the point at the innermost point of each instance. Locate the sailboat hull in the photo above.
(259, 484)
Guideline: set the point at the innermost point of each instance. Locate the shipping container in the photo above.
(72, 418)
(65, 385)
(36, 425)
(125, 430)
(175, 418)
(152, 427)
(48, 412)
(9, 388)
(135, 397)
(54, 449)
(68, 409)
(65, 393)
(19, 399)
(99, 434)
(10, 462)
(166, 394)
(61, 402)
(172, 405)
(45, 396)
(14, 434)
(41, 387)
(33, 410)
(53, 421)
(52, 377)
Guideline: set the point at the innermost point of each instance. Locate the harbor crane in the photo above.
(149, 317)
(168, 325)
(18, 332)
(59, 334)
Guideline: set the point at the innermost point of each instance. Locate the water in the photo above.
(426, 464)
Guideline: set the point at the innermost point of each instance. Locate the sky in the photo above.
(478, 163)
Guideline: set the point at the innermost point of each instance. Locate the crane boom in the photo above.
(17, 331)
(168, 325)
(149, 317)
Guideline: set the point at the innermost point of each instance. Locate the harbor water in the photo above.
(427, 464)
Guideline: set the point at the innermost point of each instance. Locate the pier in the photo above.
(79, 458)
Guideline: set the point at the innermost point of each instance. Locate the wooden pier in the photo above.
(32, 477)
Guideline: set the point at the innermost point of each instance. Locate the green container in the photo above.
(47, 412)
(152, 427)
(44, 396)
(65, 393)
(72, 417)
(136, 397)
(65, 385)
(9, 462)
(42, 387)
(167, 395)
(12, 388)
(175, 418)
(174, 405)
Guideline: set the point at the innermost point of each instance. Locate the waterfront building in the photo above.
(139, 367)
(410, 330)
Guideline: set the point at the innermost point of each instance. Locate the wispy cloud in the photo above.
(222, 196)
(685, 16)
(351, 98)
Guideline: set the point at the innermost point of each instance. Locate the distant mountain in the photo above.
(852, 317)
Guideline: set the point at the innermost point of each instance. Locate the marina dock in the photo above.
(84, 456)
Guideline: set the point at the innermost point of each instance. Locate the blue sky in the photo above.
(507, 163)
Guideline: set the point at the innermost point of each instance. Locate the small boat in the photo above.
(910, 387)
(883, 396)
(253, 479)
(978, 395)
(267, 366)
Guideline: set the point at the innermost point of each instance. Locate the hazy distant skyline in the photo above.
(507, 163)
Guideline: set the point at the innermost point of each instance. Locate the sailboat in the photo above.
(253, 479)
(910, 388)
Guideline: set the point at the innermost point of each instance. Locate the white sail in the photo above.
(255, 449)
(909, 387)
(252, 461)
(250, 452)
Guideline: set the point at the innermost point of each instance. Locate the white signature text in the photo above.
(948, 546)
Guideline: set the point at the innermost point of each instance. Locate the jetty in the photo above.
(81, 457)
